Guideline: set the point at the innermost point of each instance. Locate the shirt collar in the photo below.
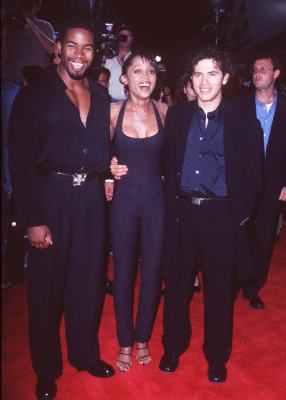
(212, 114)
(258, 103)
(57, 82)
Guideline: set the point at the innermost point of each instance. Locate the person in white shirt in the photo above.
(116, 88)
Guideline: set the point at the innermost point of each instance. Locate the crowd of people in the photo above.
(188, 174)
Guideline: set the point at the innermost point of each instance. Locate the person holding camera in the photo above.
(116, 88)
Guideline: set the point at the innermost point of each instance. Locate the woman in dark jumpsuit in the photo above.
(137, 206)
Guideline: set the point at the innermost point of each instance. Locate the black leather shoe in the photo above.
(256, 302)
(169, 363)
(46, 390)
(108, 287)
(217, 372)
(101, 370)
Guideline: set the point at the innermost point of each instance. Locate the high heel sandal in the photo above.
(143, 355)
(197, 285)
(197, 288)
(124, 359)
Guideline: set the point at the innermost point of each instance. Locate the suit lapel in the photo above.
(230, 140)
(274, 126)
(182, 132)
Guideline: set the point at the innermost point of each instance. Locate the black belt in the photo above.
(203, 200)
(77, 178)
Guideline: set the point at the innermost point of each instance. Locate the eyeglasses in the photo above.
(261, 70)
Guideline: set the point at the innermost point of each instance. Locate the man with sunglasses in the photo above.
(270, 108)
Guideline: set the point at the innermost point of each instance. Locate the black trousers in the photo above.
(262, 230)
(210, 229)
(136, 211)
(67, 277)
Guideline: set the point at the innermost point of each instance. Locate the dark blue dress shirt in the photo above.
(203, 169)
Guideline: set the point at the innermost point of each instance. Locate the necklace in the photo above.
(141, 113)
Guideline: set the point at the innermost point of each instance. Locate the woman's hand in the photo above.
(108, 189)
(282, 196)
(117, 170)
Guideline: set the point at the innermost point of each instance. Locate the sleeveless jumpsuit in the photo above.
(137, 208)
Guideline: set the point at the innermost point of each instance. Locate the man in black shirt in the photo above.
(59, 148)
(213, 179)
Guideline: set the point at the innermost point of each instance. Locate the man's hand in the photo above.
(108, 188)
(282, 196)
(40, 237)
(117, 170)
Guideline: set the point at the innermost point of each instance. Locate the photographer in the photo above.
(116, 88)
(25, 41)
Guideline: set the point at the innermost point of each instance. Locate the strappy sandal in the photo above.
(124, 360)
(143, 355)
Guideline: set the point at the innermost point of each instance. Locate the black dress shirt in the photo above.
(46, 131)
(203, 170)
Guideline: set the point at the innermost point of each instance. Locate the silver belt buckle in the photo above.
(79, 179)
(197, 201)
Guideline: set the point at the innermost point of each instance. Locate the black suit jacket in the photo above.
(243, 149)
(275, 158)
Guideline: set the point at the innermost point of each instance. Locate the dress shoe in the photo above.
(108, 287)
(46, 390)
(256, 302)
(217, 372)
(169, 363)
(101, 370)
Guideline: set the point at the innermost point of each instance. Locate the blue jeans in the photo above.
(8, 93)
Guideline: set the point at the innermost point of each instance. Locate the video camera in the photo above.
(110, 40)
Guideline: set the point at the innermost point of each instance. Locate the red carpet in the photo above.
(256, 371)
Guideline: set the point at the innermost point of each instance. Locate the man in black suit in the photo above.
(59, 148)
(213, 180)
(270, 108)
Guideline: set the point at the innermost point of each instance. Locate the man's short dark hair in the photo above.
(81, 23)
(269, 56)
(220, 57)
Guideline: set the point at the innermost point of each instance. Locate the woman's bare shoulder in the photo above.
(114, 110)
